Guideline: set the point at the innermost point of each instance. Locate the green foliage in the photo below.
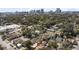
(1, 33)
(41, 21)
(52, 44)
(68, 30)
(27, 44)
(4, 37)
(1, 48)
(67, 45)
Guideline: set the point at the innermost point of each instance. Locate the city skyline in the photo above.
(28, 9)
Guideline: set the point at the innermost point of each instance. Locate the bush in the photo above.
(27, 44)
(1, 33)
(3, 37)
(67, 45)
(52, 44)
(1, 48)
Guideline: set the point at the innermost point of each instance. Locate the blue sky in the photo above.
(28, 9)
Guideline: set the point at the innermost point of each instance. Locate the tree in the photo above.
(1, 48)
(68, 30)
(27, 44)
(52, 44)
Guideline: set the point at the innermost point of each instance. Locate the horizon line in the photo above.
(29, 9)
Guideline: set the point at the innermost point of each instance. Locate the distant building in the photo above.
(58, 10)
(42, 10)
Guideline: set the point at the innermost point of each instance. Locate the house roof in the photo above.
(3, 28)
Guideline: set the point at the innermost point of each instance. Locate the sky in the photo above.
(28, 9)
(26, 5)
